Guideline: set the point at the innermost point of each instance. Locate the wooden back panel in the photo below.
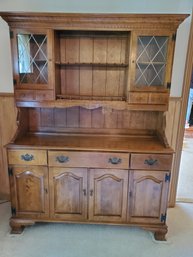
(92, 63)
(96, 120)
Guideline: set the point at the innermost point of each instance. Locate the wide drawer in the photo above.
(88, 159)
(151, 161)
(32, 157)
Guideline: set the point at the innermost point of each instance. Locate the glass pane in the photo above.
(151, 60)
(32, 58)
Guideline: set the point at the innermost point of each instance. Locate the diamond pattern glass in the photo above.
(151, 60)
(32, 58)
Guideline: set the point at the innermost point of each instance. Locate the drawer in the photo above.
(88, 159)
(151, 161)
(138, 98)
(44, 95)
(32, 157)
(158, 98)
(25, 95)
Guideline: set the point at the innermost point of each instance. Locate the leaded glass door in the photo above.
(152, 61)
(31, 64)
(32, 58)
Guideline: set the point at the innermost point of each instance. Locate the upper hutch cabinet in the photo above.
(32, 64)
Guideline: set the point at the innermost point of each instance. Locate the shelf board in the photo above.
(88, 97)
(92, 64)
(93, 104)
(113, 143)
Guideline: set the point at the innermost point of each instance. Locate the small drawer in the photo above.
(158, 98)
(42, 95)
(25, 95)
(31, 157)
(138, 98)
(151, 161)
(88, 159)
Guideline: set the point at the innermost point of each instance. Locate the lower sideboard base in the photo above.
(18, 225)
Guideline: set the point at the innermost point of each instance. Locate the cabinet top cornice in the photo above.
(104, 21)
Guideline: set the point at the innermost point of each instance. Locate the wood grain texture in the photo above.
(108, 195)
(68, 189)
(7, 130)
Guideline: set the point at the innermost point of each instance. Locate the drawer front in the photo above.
(44, 95)
(138, 98)
(88, 159)
(151, 161)
(31, 157)
(158, 98)
(25, 95)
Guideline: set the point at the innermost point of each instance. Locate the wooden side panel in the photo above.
(68, 199)
(108, 195)
(172, 130)
(8, 128)
(172, 121)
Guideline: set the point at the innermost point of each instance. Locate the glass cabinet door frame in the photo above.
(14, 45)
(169, 60)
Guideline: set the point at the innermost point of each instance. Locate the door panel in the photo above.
(29, 189)
(108, 195)
(147, 196)
(68, 193)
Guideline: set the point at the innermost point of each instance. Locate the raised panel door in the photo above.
(108, 195)
(147, 198)
(68, 193)
(29, 191)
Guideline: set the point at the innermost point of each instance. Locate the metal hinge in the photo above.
(168, 85)
(10, 171)
(174, 37)
(11, 34)
(167, 177)
(13, 211)
(14, 82)
(163, 217)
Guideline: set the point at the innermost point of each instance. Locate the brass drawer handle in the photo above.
(27, 157)
(150, 162)
(62, 159)
(115, 160)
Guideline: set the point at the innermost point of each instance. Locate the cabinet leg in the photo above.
(17, 226)
(160, 235)
(17, 229)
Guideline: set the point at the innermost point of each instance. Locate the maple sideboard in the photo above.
(91, 92)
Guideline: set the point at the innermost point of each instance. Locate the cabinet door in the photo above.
(151, 61)
(148, 191)
(29, 191)
(32, 63)
(68, 193)
(108, 195)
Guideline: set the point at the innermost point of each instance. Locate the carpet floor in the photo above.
(185, 181)
(75, 240)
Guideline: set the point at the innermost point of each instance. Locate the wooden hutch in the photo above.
(91, 92)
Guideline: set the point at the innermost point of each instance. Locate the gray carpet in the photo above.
(74, 240)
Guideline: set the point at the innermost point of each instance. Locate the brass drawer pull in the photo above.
(27, 157)
(62, 159)
(115, 160)
(150, 162)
